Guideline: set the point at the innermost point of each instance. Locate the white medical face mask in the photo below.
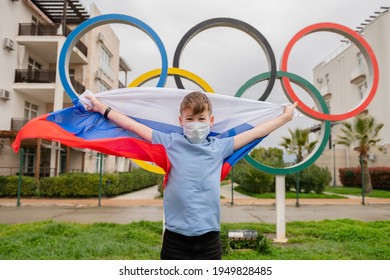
(196, 132)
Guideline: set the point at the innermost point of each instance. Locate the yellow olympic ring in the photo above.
(172, 71)
(153, 74)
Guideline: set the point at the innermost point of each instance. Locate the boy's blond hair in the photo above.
(197, 101)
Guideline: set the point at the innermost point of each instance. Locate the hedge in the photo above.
(9, 186)
(380, 177)
(79, 184)
(311, 179)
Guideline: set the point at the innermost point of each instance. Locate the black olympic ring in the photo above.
(237, 24)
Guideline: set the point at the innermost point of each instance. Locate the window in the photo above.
(34, 20)
(327, 80)
(103, 87)
(362, 89)
(29, 161)
(34, 25)
(71, 73)
(360, 59)
(98, 157)
(105, 61)
(30, 110)
(327, 99)
(33, 65)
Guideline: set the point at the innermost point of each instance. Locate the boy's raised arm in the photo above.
(264, 129)
(120, 119)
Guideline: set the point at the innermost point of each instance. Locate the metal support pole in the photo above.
(21, 163)
(65, 7)
(334, 165)
(232, 182)
(362, 178)
(297, 190)
(280, 188)
(100, 179)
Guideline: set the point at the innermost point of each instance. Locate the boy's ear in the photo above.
(181, 120)
(211, 120)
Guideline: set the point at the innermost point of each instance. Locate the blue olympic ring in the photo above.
(80, 30)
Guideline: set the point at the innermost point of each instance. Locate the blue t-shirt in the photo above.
(192, 194)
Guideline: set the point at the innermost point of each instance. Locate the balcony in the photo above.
(17, 124)
(30, 29)
(78, 87)
(43, 76)
(35, 76)
(326, 90)
(358, 75)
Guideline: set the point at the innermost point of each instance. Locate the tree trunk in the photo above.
(367, 178)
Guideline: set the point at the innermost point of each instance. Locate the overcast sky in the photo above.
(226, 57)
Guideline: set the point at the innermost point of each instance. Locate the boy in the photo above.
(192, 194)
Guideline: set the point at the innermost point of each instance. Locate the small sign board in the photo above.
(242, 234)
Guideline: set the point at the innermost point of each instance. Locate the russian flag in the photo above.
(157, 108)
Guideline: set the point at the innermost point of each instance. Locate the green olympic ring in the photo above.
(325, 125)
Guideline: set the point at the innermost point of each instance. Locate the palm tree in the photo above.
(299, 143)
(362, 134)
(300, 146)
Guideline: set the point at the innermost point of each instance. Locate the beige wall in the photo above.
(11, 14)
(345, 94)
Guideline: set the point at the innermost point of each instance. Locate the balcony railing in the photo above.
(43, 76)
(78, 87)
(17, 124)
(80, 45)
(30, 29)
(35, 76)
(358, 75)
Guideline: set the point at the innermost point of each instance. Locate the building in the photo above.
(343, 80)
(32, 33)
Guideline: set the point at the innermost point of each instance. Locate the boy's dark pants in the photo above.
(176, 246)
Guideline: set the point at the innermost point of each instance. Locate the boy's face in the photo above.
(188, 116)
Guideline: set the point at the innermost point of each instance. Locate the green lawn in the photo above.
(289, 194)
(332, 192)
(49, 240)
(357, 192)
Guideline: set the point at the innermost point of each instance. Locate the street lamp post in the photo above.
(334, 164)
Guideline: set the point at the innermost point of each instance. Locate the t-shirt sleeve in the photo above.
(226, 146)
(162, 138)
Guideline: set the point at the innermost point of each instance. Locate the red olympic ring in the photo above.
(363, 46)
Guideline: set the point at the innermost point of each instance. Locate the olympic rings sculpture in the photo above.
(283, 75)
(229, 22)
(84, 27)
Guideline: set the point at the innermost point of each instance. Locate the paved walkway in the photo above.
(145, 205)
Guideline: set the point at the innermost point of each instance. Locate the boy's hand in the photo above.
(289, 111)
(94, 105)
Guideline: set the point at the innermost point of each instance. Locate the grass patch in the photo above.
(289, 194)
(323, 240)
(357, 192)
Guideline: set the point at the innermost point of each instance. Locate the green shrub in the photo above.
(79, 184)
(253, 180)
(256, 181)
(313, 178)
(9, 186)
(138, 179)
